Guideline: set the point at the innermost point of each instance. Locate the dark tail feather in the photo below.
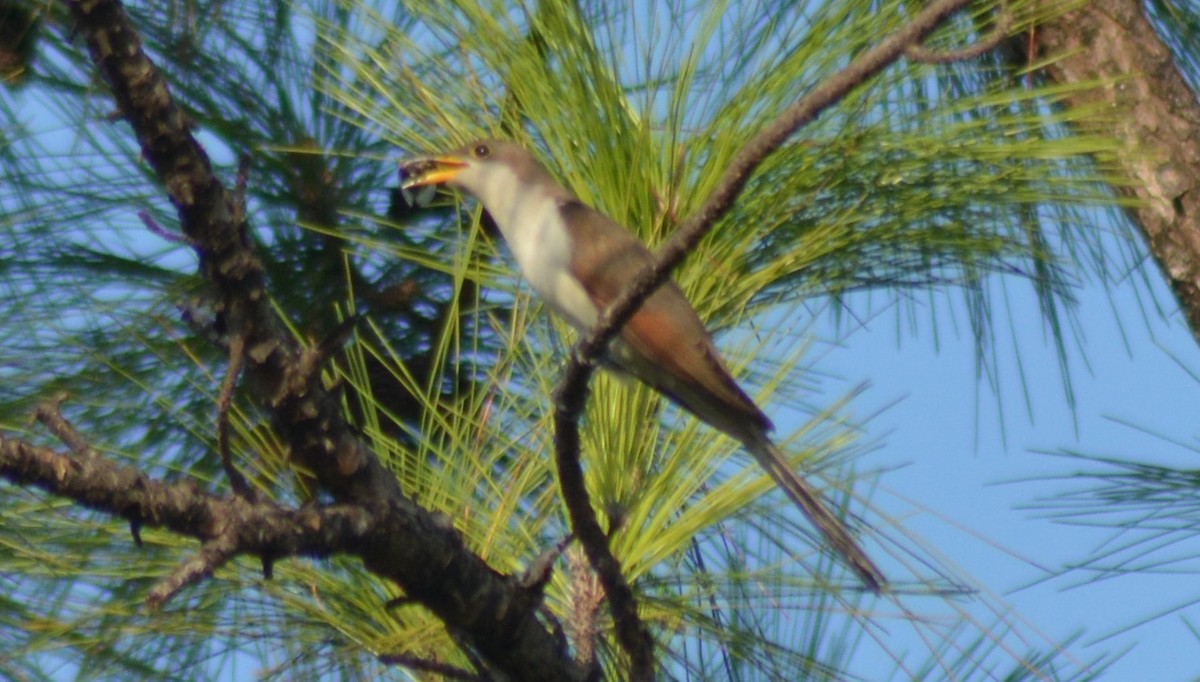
(809, 501)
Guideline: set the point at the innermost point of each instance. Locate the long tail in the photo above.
(809, 501)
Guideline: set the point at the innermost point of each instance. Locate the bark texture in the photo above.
(1155, 116)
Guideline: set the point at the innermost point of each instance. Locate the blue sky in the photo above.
(966, 471)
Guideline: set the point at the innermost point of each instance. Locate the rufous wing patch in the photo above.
(684, 349)
(665, 331)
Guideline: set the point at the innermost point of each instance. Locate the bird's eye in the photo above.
(481, 151)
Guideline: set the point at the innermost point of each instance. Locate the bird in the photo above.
(578, 260)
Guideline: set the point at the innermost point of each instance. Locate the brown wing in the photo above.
(671, 349)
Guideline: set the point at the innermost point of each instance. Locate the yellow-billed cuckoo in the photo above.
(578, 260)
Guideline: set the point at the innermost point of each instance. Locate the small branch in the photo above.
(1004, 20)
(541, 569)
(237, 345)
(212, 556)
(158, 230)
(238, 526)
(50, 416)
(425, 665)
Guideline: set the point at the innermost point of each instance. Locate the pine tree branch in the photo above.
(235, 524)
(384, 536)
(1152, 112)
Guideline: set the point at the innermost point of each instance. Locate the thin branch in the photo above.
(158, 230)
(572, 393)
(212, 556)
(538, 573)
(48, 414)
(985, 44)
(445, 670)
(237, 346)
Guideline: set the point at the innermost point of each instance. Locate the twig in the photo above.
(50, 415)
(541, 569)
(423, 664)
(572, 394)
(335, 340)
(237, 345)
(212, 556)
(444, 669)
(159, 231)
(986, 43)
(135, 530)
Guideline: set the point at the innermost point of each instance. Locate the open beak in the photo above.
(430, 170)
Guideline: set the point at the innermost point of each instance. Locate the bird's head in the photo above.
(492, 170)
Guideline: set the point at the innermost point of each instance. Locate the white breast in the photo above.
(532, 226)
(542, 248)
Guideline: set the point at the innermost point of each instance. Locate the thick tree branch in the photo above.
(572, 393)
(420, 551)
(262, 529)
(228, 526)
(1152, 112)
